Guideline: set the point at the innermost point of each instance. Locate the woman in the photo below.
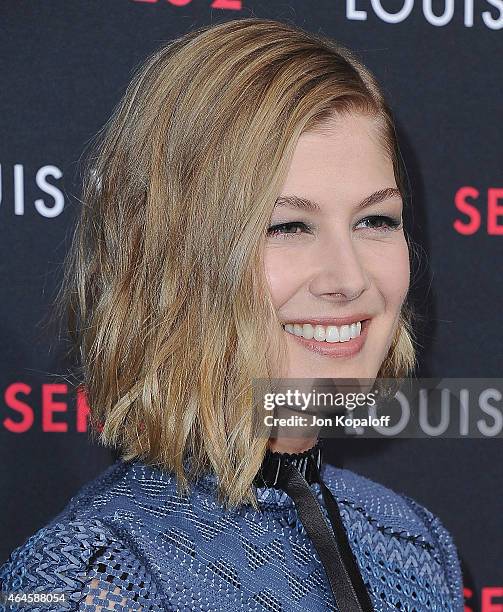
(241, 220)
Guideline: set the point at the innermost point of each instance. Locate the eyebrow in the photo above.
(293, 201)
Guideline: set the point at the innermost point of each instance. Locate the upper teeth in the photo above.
(329, 333)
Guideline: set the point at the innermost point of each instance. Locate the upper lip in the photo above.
(325, 321)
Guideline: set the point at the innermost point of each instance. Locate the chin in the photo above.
(318, 368)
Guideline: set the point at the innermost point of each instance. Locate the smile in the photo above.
(330, 340)
(322, 333)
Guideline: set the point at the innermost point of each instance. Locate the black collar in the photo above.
(308, 463)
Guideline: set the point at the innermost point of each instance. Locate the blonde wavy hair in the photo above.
(164, 290)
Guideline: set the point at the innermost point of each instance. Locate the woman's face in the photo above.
(341, 259)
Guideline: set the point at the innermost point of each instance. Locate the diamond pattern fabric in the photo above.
(128, 541)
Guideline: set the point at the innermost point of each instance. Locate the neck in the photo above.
(291, 445)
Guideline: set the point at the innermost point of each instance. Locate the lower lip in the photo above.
(350, 348)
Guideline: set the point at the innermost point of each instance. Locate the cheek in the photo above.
(282, 274)
(392, 276)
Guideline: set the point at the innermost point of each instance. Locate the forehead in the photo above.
(346, 161)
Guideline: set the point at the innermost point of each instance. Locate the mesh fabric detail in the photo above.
(84, 561)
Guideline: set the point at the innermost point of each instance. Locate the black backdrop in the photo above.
(64, 65)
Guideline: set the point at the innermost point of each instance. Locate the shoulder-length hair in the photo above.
(164, 289)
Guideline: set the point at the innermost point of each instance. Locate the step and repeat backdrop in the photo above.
(64, 66)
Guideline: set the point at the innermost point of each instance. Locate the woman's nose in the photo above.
(338, 270)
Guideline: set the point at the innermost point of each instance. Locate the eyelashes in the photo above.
(379, 223)
(279, 229)
(389, 223)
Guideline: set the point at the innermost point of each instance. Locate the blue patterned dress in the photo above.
(128, 541)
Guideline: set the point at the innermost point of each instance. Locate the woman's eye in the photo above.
(287, 229)
(381, 222)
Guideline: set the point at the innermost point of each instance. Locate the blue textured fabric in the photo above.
(128, 541)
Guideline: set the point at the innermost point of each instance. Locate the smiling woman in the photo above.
(241, 219)
(337, 257)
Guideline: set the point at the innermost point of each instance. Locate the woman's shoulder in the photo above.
(374, 499)
(77, 564)
(395, 530)
(81, 560)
